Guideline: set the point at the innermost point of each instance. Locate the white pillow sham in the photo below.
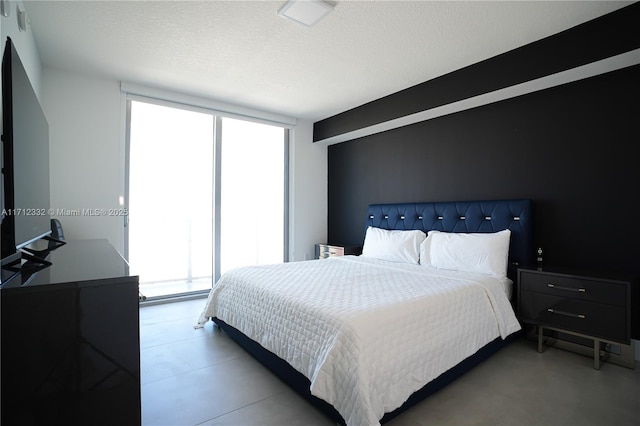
(393, 245)
(484, 253)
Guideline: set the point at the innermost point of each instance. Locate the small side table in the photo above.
(589, 306)
(327, 250)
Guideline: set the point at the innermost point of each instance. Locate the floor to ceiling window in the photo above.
(252, 207)
(196, 182)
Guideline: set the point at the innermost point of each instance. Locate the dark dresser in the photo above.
(594, 307)
(71, 340)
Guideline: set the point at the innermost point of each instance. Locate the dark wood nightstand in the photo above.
(327, 250)
(592, 307)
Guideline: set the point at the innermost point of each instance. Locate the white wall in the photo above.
(308, 193)
(24, 42)
(85, 151)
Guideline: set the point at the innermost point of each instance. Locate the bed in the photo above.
(365, 337)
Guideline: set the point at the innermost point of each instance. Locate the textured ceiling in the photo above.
(242, 52)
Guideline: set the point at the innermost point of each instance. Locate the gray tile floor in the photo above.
(200, 377)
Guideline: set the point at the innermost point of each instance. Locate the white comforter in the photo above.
(367, 333)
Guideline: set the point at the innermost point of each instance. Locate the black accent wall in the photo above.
(572, 149)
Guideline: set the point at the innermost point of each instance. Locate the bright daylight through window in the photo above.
(171, 181)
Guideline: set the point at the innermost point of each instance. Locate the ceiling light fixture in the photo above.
(305, 12)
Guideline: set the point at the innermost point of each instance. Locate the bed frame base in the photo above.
(301, 384)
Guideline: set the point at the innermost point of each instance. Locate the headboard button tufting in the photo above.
(463, 216)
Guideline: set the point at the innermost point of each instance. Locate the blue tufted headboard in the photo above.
(463, 216)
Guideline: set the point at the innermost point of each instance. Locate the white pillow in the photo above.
(425, 249)
(484, 253)
(395, 246)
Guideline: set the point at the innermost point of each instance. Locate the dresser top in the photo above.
(78, 263)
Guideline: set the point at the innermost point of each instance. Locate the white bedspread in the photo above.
(367, 333)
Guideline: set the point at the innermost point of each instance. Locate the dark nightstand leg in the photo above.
(541, 346)
(596, 354)
(599, 355)
(599, 352)
(540, 339)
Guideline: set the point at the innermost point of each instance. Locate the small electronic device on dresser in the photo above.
(588, 312)
(327, 250)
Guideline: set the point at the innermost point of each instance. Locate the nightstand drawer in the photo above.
(595, 319)
(573, 287)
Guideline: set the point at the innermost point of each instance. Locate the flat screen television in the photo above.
(25, 168)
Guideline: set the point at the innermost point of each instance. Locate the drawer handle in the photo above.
(561, 287)
(567, 314)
